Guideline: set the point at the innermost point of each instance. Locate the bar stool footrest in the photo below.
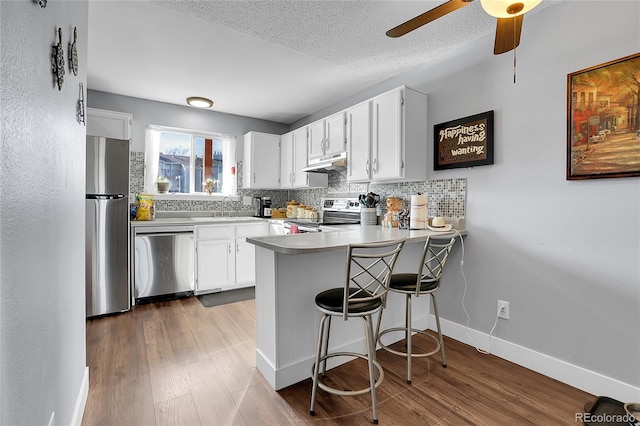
(340, 392)
(404, 354)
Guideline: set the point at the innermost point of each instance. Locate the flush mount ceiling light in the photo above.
(508, 8)
(198, 102)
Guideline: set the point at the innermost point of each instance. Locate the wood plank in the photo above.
(235, 372)
(263, 406)
(167, 375)
(212, 400)
(177, 412)
(187, 347)
(178, 362)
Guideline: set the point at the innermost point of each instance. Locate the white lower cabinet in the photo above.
(223, 257)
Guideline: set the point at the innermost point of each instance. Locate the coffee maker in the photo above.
(262, 206)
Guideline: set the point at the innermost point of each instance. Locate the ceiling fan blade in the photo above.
(507, 34)
(427, 17)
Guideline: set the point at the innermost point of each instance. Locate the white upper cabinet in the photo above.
(316, 139)
(286, 160)
(261, 161)
(387, 137)
(335, 138)
(387, 141)
(359, 142)
(327, 136)
(109, 124)
(293, 158)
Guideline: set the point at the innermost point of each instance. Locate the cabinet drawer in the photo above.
(252, 230)
(214, 231)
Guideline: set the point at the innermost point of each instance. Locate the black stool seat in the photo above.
(332, 300)
(407, 282)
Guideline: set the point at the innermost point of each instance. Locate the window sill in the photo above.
(196, 197)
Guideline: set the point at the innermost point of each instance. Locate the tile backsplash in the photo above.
(447, 197)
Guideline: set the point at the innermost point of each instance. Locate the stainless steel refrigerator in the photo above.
(107, 226)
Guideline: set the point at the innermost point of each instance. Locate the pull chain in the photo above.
(514, 66)
(514, 53)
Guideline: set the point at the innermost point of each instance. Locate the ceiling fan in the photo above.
(508, 12)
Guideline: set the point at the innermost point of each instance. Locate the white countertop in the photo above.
(353, 234)
(196, 220)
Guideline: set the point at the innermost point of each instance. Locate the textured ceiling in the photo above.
(274, 60)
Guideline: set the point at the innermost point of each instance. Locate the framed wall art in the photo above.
(465, 142)
(603, 120)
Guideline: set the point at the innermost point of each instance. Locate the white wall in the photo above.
(566, 254)
(186, 117)
(42, 312)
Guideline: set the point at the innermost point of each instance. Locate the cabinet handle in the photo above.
(254, 177)
(237, 248)
(293, 177)
(229, 246)
(366, 167)
(375, 165)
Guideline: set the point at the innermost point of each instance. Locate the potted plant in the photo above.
(162, 185)
(208, 185)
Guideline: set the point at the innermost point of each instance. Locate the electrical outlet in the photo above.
(247, 201)
(503, 309)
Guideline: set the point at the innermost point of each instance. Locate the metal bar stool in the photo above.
(425, 281)
(369, 268)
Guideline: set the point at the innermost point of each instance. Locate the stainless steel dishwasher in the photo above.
(163, 261)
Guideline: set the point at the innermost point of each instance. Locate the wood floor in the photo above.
(179, 363)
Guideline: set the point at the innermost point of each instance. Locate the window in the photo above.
(193, 162)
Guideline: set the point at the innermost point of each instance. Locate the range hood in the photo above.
(328, 163)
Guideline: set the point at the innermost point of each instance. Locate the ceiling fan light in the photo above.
(199, 102)
(508, 8)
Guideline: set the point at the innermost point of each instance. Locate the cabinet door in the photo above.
(261, 161)
(300, 178)
(286, 160)
(245, 263)
(387, 147)
(316, 139)
(246, 252)
(216, 265)
(359, 142)
(109, 124)
(335, 134)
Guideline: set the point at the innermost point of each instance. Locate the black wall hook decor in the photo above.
(73, 53)
(57, 61)
(80, 115)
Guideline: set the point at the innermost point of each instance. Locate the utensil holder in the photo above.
(368, 216)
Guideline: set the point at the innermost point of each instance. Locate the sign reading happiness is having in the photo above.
(465, 142)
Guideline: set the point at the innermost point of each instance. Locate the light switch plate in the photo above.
(246, 201)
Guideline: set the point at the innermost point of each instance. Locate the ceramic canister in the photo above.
(301, 211)
(292, 209)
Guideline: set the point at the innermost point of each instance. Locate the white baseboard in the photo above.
(573, 375)
(81, 401)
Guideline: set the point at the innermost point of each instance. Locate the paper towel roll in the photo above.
(418, 216)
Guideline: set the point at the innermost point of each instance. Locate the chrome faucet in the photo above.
(223, 200)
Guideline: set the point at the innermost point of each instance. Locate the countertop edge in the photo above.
(339, 240)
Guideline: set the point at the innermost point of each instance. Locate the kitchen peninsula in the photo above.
(292, 269)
